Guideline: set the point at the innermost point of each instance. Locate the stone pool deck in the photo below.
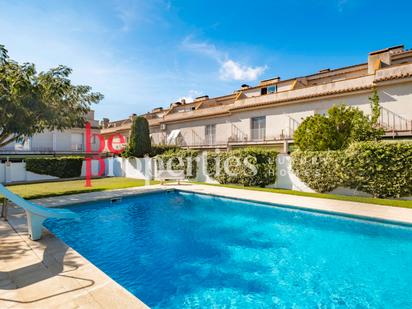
(49, 274)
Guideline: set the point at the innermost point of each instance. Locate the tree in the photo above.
(32, 102)
(337, 130)
(139, 142)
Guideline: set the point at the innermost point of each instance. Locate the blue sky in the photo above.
(145, 54)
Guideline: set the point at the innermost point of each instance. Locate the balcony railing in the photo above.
(193, 139)
(258, 134)
(392, 122)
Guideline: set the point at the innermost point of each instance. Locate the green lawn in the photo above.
(370, 200)
(46, 189)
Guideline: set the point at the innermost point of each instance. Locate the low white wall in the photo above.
(16, 172)
(285, 178)
(95, 168)
(120, 167)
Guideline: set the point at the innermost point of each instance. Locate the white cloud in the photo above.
(231, 70)
(192, 94)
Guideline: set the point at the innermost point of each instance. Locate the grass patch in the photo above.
(47, 189)
(369, 200)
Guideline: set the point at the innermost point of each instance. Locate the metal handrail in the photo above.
(391, 121)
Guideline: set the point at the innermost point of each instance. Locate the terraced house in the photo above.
(268, 113)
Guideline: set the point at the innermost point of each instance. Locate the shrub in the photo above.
(383, 169)
(248, 166)
(341, 126)
(320, 170)
(161, 149)
(63, 167)
(179, 160)
(380, 168)
(140, 143)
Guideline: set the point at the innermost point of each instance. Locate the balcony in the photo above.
(258, 134)
(394, 124)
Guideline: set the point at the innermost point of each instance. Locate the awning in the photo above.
(172, 137)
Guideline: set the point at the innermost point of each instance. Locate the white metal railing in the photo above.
(237, 134)
(258, 134)
(77, 147)
(293, 125)
(391, 121)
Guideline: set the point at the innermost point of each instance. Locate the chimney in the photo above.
(382, 58)
(202, 98)
(183, 101)
(132, 116)
(105, 123)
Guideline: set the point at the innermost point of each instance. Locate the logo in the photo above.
(105, 146)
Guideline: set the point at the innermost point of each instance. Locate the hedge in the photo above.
(161, 149)
(320, 170)
(62, 167)
(179, 160)
(241, 164)
(382, 169)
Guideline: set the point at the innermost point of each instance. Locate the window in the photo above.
(263, 91)
(210, 134)
(258, 128)
(76, 141)
(272, 89)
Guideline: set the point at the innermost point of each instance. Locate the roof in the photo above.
(325, 83)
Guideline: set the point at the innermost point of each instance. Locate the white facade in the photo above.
(68, 141)
(269, 113)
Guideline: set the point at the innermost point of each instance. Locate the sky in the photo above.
(146, 54)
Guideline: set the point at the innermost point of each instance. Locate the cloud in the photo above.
(231, 70)
(192, 94)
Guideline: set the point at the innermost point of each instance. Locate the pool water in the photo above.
(185, 250)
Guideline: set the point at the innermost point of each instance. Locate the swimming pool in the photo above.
(186, 250)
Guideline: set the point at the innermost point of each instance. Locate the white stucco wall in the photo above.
(396, 98)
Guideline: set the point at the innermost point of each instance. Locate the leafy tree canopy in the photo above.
(336, 130)
(31, 102)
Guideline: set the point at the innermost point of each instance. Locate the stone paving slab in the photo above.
(49, 274)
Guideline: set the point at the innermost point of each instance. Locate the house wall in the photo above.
(56, 141)
(397, 98)
(281, 120)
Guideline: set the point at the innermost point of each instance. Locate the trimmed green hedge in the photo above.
(161, 149)
(320, 170)
(383, 169)
(62, 167)
(248, 166)
(180, 160)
